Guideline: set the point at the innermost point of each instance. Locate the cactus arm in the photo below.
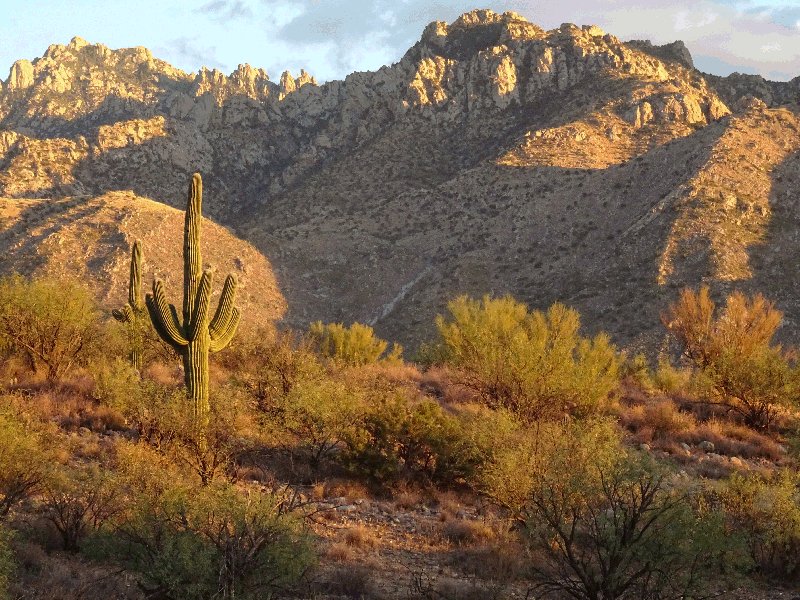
(124, 314)
(192, 260)
(225, 309)
(164, 316)
(224, 338)
(199, 321)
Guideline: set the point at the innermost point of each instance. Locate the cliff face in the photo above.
(493, 157)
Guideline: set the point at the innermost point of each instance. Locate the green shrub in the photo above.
(767, 511)
(355, 345)
(418, 440)
(187, 542)
(24, 459)
(734, 351)
(602, 522)
(78, 502)
(53, 324)
(271, 364)
(7, 562)
(321, 415)
(532, 363)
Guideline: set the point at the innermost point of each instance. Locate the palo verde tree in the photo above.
(733, 349)
(195, 334)
(133, 314)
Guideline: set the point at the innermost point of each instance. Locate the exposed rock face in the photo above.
(676, 51)
(494, 156)
(21, 75)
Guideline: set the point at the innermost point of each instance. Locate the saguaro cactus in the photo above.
(132, 315)
(194, 336)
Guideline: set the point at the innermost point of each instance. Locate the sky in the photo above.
(331, 38)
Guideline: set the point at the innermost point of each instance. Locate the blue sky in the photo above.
(330, 38)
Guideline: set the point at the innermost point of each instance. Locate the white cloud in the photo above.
(340, 36)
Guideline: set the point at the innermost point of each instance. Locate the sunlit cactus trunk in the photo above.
(132, 315)
(195, 334)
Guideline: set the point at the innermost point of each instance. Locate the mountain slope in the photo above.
(494, 157)
(89, 239)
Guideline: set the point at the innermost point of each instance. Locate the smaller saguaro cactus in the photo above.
(197, 333)
(133, 314)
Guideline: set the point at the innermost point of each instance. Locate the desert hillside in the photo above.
(494, 157)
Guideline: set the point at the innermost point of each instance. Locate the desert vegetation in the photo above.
(514, 457)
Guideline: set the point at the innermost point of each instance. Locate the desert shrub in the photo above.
(734, 350)
(532, 363)
(355, 345)
(637, 369)
(523, 456)
(270, 364)
(320, 415)
(79, 502)
(610, 525)
(670, 379)
(7, 562)
(53, 324)
(767, 511)
(24, 459)
(164, 418)
(213, 541)
(418, 440)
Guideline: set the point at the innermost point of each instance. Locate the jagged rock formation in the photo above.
(493, 157)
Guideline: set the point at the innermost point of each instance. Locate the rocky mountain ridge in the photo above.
(493, 157)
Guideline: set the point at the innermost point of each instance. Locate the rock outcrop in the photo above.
(494, 156)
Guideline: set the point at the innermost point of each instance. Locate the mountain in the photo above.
(494, 157)
(89, 238)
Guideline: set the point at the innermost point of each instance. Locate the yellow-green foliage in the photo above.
(53, 324)
(767, 511)
(602, 522)
(197, 543)
(527, 457)
(24, 458)
(355, 345)
(411, 439)
(321, 414)
(533, 363)
(7, 563)
(734, 351)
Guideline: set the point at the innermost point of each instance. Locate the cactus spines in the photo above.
(132, 315)
(193, 334)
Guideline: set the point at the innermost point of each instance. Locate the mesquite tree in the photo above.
(133, 314)
(195, 334)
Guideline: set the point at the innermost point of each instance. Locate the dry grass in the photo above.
(361, 536)
(407, 499)
(664, 425)
(342, 488)
(731, 439)
(441, 382)
(463, 532)
(351, 581)
(340, 552)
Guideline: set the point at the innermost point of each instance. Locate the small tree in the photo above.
(532, 363)
(78, 502)
(355, 345)
(605, 524)
(54, 324)
(734, 350)
(24, 461)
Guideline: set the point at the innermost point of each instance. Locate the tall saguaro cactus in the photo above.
(132, 315)
(195, 335)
